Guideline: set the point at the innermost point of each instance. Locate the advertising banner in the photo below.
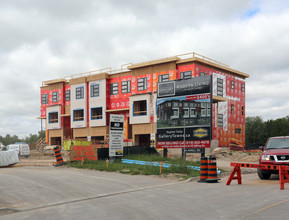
(185, 120)
(116, 135)
(83, 153)
(196, 85)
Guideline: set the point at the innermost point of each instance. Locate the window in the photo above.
(175, 113)
(142, 84)
(203, 74)
(52, 117)
(193, 113)
(232, 84)
(55, 96)
(242, 110)
(203, 112)
(164, 78)
(219, 87)
(113, 88)
(186, 75)
(208, 109)
(238, 130)
(94, 90)
(44, 99)
(186, 113)
(67, 95)
(220, 120)
(96, 113)
(232, 109)
(243, 87)
(140, 108)
(78, 115)
(79, 92)
(125, 86)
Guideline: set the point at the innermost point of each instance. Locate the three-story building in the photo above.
(78, 107)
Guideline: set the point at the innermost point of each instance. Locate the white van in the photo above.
(21, 149)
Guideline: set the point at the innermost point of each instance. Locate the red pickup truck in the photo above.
(275, 152)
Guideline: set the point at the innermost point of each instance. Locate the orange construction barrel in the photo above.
(203, 169)
(59, 160)
(212, 170)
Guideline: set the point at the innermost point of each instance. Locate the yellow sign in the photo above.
(201, 133)
(71, 143)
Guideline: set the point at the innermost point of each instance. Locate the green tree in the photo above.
(278, 127)
(255, 131)
(8, 139)
(31, 139)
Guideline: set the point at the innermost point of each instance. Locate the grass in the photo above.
(178, 169)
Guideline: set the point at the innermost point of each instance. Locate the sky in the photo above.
(49, 39)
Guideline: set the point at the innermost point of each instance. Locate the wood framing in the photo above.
(78, 80)
(80, 132)
(98, 76)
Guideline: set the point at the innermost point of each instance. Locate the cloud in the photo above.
(42, 40)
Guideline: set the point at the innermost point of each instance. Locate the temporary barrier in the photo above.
(59, 160)
(283, 172)
(203, 169)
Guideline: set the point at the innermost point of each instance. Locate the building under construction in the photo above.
(79, 106)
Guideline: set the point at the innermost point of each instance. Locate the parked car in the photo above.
(21, 149)
(275, 152)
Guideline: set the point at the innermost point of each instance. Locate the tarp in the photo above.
(8, 158)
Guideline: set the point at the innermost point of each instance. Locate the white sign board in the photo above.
(116, 135)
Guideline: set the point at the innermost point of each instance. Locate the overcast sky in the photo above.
(48, 39)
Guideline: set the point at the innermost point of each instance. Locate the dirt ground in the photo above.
(224, 157)
(37, 158)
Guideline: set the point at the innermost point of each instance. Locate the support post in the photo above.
(232, 176)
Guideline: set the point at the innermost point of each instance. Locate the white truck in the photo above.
(22, 149)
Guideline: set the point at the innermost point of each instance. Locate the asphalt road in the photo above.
(68, 193)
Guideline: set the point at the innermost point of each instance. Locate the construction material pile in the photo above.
(8, 158)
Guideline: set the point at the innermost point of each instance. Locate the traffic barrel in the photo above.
(59, 160)
(203, 169)
(212, 170)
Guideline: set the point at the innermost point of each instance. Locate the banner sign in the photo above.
(78, 152)
(196, 85)
(185, 116)
(116, 135)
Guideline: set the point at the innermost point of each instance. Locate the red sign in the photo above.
(197, 97)
(84, 152)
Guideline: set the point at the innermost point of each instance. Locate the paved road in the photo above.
(68, 193)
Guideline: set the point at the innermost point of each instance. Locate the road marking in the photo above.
(262, 209)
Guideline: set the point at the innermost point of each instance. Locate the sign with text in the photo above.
(116, 135)
(185, 118)
(195, 85)
(194, 150)
(78, 152)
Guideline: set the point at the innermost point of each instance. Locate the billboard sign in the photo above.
(186, 116)
(116, 135)
(195, 85)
